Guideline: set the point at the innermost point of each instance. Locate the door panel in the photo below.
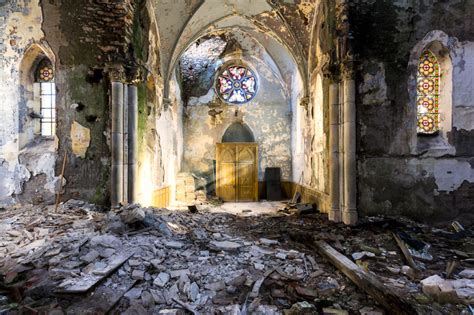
(245, 155)
(245, 182)
(227, 180)
(237, 171)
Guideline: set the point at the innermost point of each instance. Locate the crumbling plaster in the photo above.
(160, 146)
(23, 158)
(312, 159)
(400, 172)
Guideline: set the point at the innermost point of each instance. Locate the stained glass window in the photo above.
(45, 78)
(236, 84)
(428, 82)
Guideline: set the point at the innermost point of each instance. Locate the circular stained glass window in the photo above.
(236, 84)
(45, 72)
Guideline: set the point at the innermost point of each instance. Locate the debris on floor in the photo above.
(136, 260)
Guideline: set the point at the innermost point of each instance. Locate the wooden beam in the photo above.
(405, 251)
(58, 195)
(381, 293)
(90, 281)
(102, 300)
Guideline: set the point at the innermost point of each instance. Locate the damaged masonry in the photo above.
(236, 157)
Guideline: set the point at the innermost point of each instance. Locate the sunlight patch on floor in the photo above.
(248, 208)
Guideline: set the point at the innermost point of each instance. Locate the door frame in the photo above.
(255, 169)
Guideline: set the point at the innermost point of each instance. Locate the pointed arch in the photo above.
(34, 54)
(431, 68)
(38, 93)
(238, 132)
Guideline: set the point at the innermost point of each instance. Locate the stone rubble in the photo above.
(173, 262)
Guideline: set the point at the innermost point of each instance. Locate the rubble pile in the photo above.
(440, 280)
(135, 260)
(146, 260)
(186, 191)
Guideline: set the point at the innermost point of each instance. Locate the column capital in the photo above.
(116, 73)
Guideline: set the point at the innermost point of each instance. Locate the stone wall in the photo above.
(89, 43)
(428, 178)
(90, 40)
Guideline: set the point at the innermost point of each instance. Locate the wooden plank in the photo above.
(381, 293)
(256, 287)
(58, 195)
(90, 281)
(405, 251)
(102, 300)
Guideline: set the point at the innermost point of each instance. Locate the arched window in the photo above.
(45, 91)
(428, 94)
(236, 84)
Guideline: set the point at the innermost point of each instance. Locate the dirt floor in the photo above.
(232, 258)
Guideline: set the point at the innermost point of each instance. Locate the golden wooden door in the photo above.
(237, 171)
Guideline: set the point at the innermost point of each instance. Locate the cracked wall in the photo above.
(90, 41)
(428, 178)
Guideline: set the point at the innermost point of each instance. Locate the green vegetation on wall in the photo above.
(142, 114)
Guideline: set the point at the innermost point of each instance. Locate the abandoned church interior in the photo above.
(237, 157)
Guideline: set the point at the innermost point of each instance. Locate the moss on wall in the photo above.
(142, 112)
(86, 37)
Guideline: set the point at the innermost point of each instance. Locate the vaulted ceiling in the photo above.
(282, 27)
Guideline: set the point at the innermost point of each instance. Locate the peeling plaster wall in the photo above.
(160, 125)
(267, 115)
(428, 178)
(311, 128)
(86, 38)
(21, 165)
(160, 146)
(298, 128)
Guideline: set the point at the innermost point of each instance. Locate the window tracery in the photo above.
(237, 84)
(428, 87)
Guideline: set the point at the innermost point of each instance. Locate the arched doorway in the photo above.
(237, 165)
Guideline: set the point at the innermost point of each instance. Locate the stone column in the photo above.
(132, 141)
(349, 213)
(334, 169)
(125, 144)
(116, 192)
